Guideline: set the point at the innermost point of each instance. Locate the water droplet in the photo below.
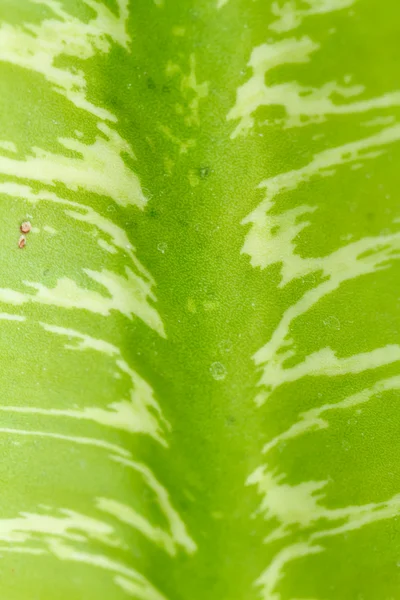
(218, 371)
(161, 247)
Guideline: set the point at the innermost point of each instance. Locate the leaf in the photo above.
(200, 337)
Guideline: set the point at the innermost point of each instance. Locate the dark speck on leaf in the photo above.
(204, 172)
(152, 213)
(150, 84)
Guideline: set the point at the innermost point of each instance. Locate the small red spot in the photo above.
(26, 227)
(22, 242)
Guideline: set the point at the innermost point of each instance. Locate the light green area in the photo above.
(199, 344)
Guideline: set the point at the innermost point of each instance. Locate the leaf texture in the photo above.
(199, 343)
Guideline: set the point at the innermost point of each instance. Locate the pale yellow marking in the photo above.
(22, 550)
(380, 121)
(271, 240)
(127, 578)
(141, 391)
(178, 530)
(8, 146)
(106, 246)
(289, 504)
(183, 145)
(208, 305)
(300, 506)
(290, 17)
(127, 515)
(136, 590)
(83, 341)
(130, 581)
(192, 91)
(136, 415)
(36, 47)
(67, 438)
(81, 212)
(271, 237)
(368, 255)
(360, 516)
(28, 525)
(275, 572)
(130, 415)
(10, 317)
(193, 177)
(116, 234)
(99, 168)
(312, 420)
(129, 295)
(325, 363)
(54, 532)
(301, 105)
(50, 230)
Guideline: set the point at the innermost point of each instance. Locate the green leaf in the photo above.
(199, 341)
